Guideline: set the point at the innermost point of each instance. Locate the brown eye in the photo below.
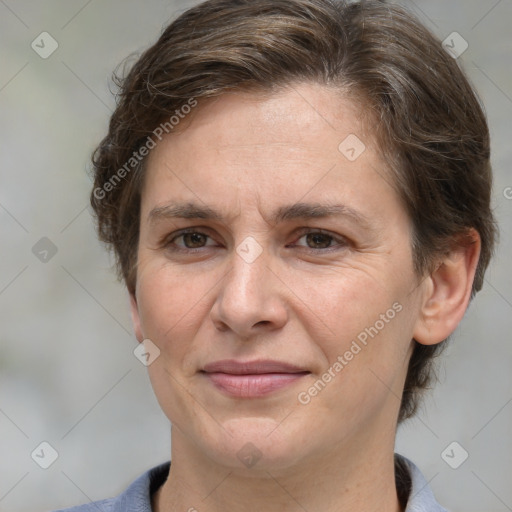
(190, 240)
(193, 240)
(319, 240)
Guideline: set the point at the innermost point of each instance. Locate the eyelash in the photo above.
(169, 242)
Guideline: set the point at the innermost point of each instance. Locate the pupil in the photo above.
(317, 239)
(193, 238)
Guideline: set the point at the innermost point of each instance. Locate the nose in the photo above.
(251, 298)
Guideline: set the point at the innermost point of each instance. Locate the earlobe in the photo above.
(134, 310)
(448, 291)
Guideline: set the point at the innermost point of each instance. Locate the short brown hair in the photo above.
(431, 129)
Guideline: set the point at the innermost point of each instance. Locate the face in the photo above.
(275, 276)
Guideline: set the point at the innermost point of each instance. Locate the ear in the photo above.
(448, 291)
(134, 310)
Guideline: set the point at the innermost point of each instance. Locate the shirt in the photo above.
(137, 497)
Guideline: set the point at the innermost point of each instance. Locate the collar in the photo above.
(137, 498)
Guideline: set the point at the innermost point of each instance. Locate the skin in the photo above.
(303, 300)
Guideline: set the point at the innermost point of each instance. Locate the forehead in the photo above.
(302, 109)
(305, 140)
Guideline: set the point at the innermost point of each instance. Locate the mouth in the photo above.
(252, 379)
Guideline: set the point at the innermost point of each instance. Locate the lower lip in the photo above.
(253, 385)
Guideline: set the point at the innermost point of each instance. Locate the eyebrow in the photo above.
(191, 210)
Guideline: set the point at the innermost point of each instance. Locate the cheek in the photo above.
(370, 328)
(170, 301)
(366, 368)
(345, 304)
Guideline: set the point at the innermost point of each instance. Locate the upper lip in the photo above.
(235, 367)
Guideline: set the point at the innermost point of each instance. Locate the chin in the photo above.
(255, 444)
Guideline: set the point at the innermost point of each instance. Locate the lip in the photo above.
(260, 366)
(252, 379)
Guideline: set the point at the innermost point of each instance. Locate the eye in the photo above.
(192, 239)
(318, 240)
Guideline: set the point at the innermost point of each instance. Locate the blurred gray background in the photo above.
(68, 375)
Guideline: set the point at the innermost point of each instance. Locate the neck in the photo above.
(344, 478)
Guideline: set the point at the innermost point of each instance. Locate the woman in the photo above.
(297, 193)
